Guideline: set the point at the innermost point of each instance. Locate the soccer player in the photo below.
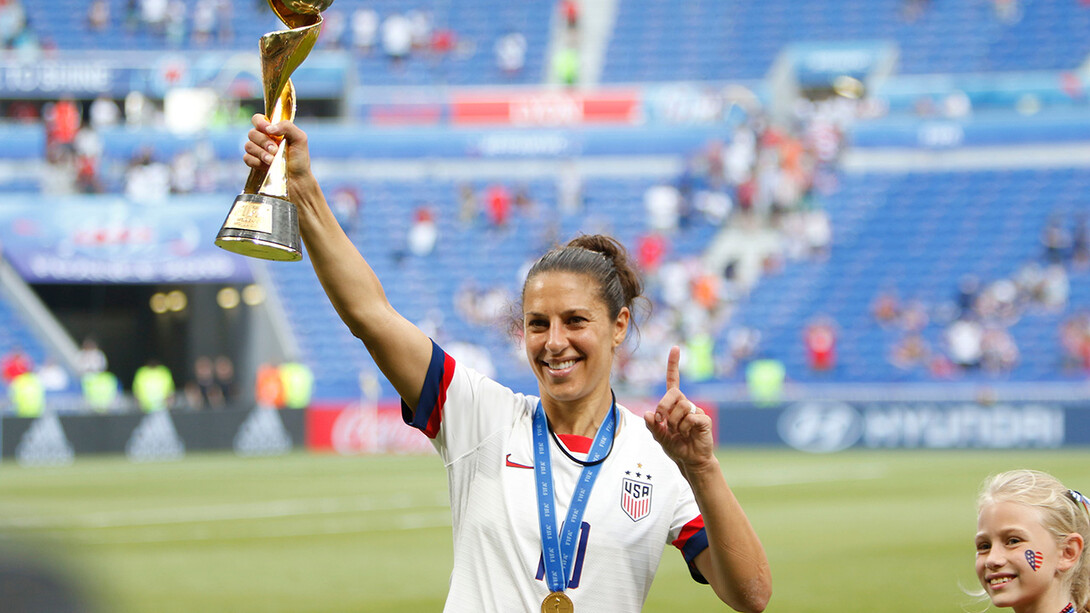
(560, 502)
(1030, 544)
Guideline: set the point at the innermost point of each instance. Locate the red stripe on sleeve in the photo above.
(436, 417)
(687, 532)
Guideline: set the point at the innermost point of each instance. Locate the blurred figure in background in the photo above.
(91, 358)
(268, 387)
(153, 386)
(201, 391)
(820, 340)
(225, 378)
(297, 381)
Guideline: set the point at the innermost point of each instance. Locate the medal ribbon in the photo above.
(558, 548)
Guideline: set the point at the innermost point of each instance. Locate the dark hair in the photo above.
(602, 259)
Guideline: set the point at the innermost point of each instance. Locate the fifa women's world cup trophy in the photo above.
(262, 222)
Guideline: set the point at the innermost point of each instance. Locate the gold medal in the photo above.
(557, 602)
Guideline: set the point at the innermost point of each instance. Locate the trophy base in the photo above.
(262, 227)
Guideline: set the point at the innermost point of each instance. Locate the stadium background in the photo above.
(884, 200)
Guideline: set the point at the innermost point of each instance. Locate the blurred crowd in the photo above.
(209, 384)
(977, 322)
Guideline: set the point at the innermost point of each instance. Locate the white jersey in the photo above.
(640, 501)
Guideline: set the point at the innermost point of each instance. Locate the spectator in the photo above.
(59, 175)
(968, 289)
(566, 64)
(62, 119)
(13, 22)
(132, 15)
(224, 18)
(498, 198)
(364, 29)
(964, 340)
(569, 10)
(27, 395)
(88, 152)
(524, 202)
(570, 188)
(819, 233)
(468, 209)
(1080, 244)
(201, 391)
(204, 21)
(153, 386)
(885, 309)
(175, 25)
(147, 180)
(820, 340)
(397, 38)
(91, 358)
(15, 363)
(139, 111)
(1056, 241)
(420, 29)
(98, 15)
(1075, 339)
(345, 203)
(423, 233)
(910, 352)
(153, 14)
(53, 376)
(104, 113)
(663, 206)
(764, 380)
(443, 42)
(511, 53)
(1055, 288)
(100, 390)
(998, 351)
(225, 378)
(914, 316)
(269, 387)
(298, 383)
(183, 172)
(650, 249)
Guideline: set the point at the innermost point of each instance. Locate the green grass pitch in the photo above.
(860, 530)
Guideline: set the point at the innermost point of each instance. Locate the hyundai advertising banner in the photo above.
(86, 74)
(110, 240)
(825, 426)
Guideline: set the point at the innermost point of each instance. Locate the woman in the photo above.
(562, 502)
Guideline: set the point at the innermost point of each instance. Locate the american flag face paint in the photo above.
(1035, 559)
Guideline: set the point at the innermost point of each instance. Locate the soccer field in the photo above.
(859, 530)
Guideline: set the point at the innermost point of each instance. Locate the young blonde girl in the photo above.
(1030, 544)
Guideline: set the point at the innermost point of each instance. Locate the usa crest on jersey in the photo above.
(636, 498)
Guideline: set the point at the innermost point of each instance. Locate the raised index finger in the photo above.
(673, 377)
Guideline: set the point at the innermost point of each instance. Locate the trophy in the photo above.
(262, 223)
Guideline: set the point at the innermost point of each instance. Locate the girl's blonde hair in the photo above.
(1063, 512)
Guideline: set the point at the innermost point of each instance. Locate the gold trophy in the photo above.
(262, 222)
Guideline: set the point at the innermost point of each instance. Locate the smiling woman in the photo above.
(585, 529)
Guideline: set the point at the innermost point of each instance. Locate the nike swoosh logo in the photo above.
(516, 464)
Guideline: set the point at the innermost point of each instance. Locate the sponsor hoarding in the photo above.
(824, 426)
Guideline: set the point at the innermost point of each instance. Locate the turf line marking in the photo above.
(405, 522)
(225, 512)
(805, 476)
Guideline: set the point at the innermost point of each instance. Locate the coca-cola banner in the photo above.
(352, 428)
